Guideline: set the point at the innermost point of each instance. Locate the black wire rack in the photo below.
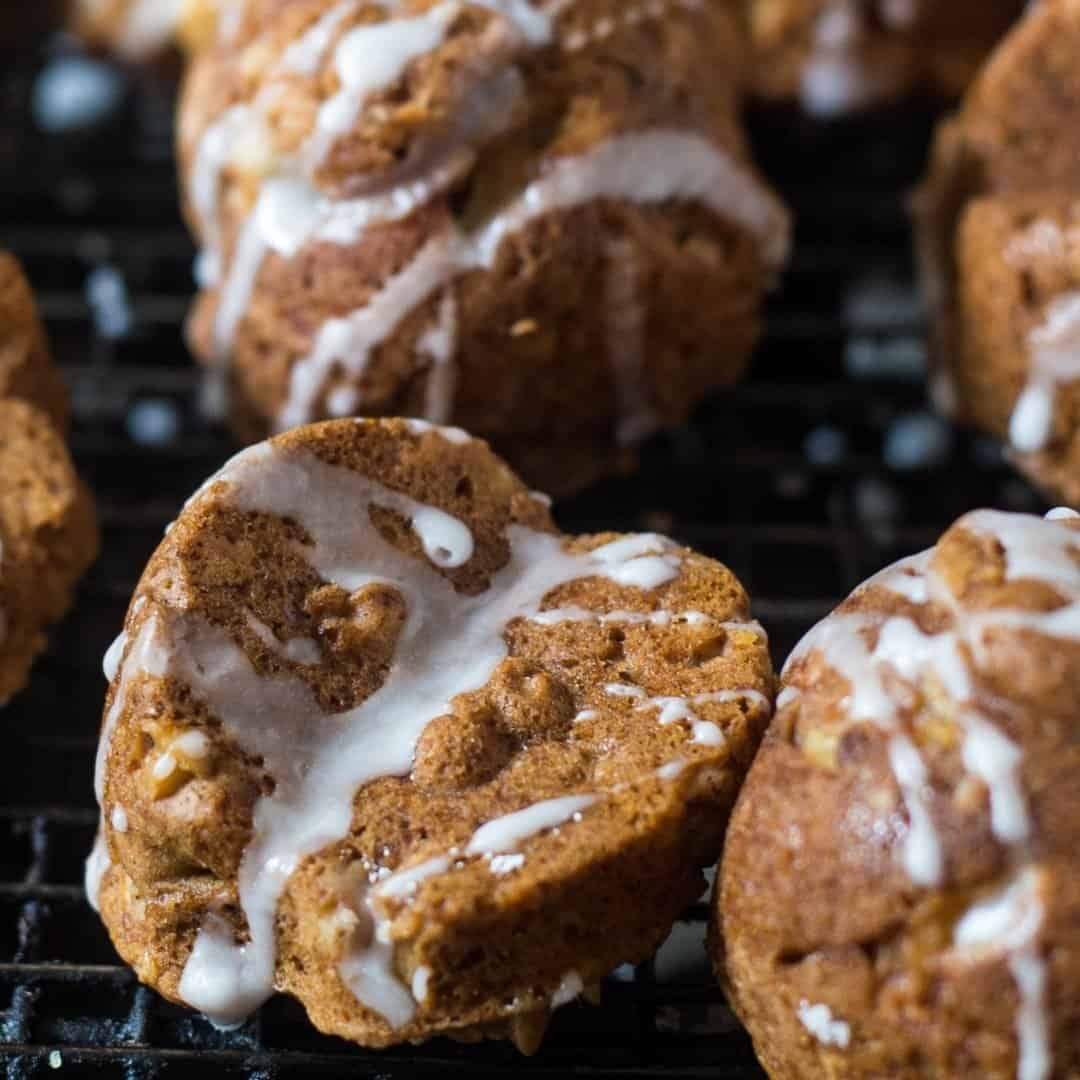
(825, 465)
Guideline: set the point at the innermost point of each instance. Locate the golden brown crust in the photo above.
(49, 535)
(837, 957)
(497, 943)
(26, 368)
(1003, 167)
(879, 51)
(612, 312)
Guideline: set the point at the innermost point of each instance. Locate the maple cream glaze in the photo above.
(911, 658)
(263, 193)
(451, 644)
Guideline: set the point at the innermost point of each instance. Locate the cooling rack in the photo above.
(825, 465)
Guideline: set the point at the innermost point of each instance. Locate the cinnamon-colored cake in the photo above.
(48, 530)
(900, 887)
(380, 737)
(840, 56)
(48, 537)
(538, 221)
(26, 368)
(147, 31)
(999, 240)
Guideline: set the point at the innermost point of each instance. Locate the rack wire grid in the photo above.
(825, 465)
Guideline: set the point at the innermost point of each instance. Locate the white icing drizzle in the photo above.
(1009, 922)
(671, 770)
(119, 819)
(503, 835)
(319, 760)
(1038, 550)
(298, 650)
(819, 1021)
(421, 978)
(439, 344)
(679, 709)
(836, 78)
(569, 989)
(644, 167)
(1054, 350)
(149, 26)
(370, 58)
(97, 863)
(193, 744)
(631, 15)
(637, 418)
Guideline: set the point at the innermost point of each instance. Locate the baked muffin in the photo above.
(48, 530)
(26, 368)
(48, 536)
(901, 880)
(540, 223)
(999, 253)
(380, 737)
(840, 56)
(147, 31)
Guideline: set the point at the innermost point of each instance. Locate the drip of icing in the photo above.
(677, 709)
(299, 650)
(1054, 350)
(569, 989)
(369, 971)
(149, 27)
(97, 863)
(320, 760)
(192, 744)
(371, 58)
(454, 435)
(111, 662)
(447, 542)
(1010, 922)
(646, 618)
(819, 1021)
(637, 418)
(503, 835)
(439, 344)
(644, 167)
(835, 79)
(1043, 551)
(119, 819)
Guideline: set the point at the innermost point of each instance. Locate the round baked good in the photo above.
(901, 879)
(538, 221)
(380, 737)
(999, 241)
(147, 31)
(26, 368)
(840, 56)
(48, 537)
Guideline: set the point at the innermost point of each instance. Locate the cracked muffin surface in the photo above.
(537, 221)
(380, 737)
(840, 56)
(900, 888)
(996, 219)
(48, 524)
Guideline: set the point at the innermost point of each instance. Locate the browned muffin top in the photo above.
(913, 819)
(366, 690)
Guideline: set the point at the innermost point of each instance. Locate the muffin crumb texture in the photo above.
(48, 525)
(380, 737)
(537, 221)
(900, 891)
(997, 221)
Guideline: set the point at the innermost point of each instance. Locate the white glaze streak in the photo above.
(320, 760)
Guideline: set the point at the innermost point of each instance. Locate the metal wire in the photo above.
(825, 465)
